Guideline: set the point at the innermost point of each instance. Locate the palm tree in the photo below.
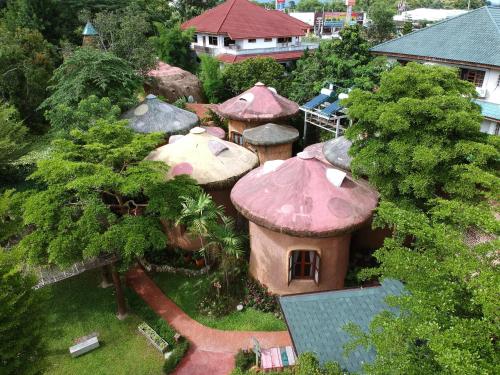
(227, 245)
(199, 214)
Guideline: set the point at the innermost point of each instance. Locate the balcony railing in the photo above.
(235, 49)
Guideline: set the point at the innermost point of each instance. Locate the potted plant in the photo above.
(199, 260)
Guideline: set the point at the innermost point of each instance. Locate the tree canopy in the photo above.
(98, 195)
(417, 138)
(12, 135)
(173, 45)
(89, 71)
(241, 76)
(26, 65)
(21, 321)
(344, 62)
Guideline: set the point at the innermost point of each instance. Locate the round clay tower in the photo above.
(302, 213)
(271, 141)
(256, 106)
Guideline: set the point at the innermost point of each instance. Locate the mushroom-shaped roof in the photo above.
(270, 134)
(336, 152)
(316, 149)
(304, 197)
(154, 115)
(260, 103)
(212, 162)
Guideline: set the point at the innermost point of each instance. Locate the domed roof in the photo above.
(260, 103)
(154, 115)
(336, 151)
(304, 197)
(270, 134)
(212, 162)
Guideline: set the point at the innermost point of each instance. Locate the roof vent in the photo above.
(248, 97)
(216, 147)
(271, 165)
(259, 84)
(151, 96)
(305, 155)
(197, 130)
(174, 138)
(335, 177)
(272, 89)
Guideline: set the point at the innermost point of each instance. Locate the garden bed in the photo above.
(151, 267)
(154, 338)
(189, 292)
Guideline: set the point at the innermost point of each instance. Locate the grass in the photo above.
(187, 293)
(77, 307)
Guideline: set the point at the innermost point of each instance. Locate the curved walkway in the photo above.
(212, 350)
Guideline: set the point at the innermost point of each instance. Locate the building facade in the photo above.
(238, 29)
(470, 43)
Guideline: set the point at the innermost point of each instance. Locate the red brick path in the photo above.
(212, 350)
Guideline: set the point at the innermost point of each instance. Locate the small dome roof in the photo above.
(215, 131)
(304, 197)
(212, 162)
(260, 103)
(336, 151)
(89, 30)
(154, 115)
(270, 134)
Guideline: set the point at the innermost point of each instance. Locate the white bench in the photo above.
(84, 347)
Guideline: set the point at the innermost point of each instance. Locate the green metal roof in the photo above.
(316, 321)
(89, 30)
(472, 37)
(490, 110)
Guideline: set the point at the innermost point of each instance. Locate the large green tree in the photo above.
(417, 137)
(241, 76)
(26, 65)
(173, 45)
(345, 62)
(89, 71)
(211, 78)
(382, 26)
(98, 195)
(418, 140)
(126, 34)
(12, 135)
(21, 321)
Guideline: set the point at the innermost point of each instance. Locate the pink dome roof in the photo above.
(260, 103)
(299, 197)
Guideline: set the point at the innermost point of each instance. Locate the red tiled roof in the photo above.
(279, 56)
(241, 19)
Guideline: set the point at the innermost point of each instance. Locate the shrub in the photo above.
(260, 298)
(177, 354)
(244, 360)
(216, 305)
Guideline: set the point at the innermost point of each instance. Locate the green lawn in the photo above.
(77, 307)
(186, 293)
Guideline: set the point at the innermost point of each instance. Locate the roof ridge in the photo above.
(225, 17)
(431, 26)
(497, 26)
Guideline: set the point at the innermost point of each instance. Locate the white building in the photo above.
(427, 15)
(239, 29)
(469, 42)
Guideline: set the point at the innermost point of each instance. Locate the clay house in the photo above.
(89, 35)
(271, 141)
(153, 115)
(302, 213)
(214, 163)
(256, 106)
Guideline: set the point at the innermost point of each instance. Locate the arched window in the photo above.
(303, 264)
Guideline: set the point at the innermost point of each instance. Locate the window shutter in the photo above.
(290, 265)
(316, 268)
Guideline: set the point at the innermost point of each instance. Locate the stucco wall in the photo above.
(269, 260)
(276, 152)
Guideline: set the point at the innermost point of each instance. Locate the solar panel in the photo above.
(332, 108)
(317, 100)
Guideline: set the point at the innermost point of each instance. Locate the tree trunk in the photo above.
(120, 298)
(106, 277)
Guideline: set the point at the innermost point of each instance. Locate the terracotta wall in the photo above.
(239, 127)
(368, 239)
(276, 152)
(178, 237)
(269, 260)
(222, 198)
